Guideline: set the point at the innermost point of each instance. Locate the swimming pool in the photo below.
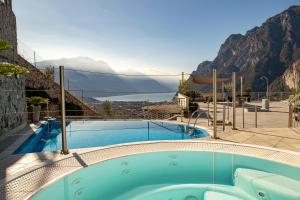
(177, 175)
(95, 133)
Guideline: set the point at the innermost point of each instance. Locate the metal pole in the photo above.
(34, 60)
(82, 95)
(224, 116)
(63, 111)
(215, 103)
(68, 85)
(243, 115)
(234, 101)
(255, 116)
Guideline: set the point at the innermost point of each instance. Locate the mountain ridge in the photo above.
(98, 79)
(270, 50)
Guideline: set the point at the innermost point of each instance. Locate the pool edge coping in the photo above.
(10, 179)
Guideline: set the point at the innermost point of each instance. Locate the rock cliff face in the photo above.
(272, 50)
(8, 31)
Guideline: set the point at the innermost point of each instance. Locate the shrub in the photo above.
(49, 72)
(11, 69)
(4, 45)
(36, 101)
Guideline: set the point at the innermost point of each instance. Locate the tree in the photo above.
(186, 87)
(106, 107)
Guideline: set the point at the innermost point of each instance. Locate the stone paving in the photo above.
(272, 131)
(272, 128)
(25, 183)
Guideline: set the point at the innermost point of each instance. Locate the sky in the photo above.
(168, 36)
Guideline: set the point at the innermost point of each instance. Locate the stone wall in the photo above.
(8, 31)
(12, 103)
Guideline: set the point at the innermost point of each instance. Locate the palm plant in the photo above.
(36, 103)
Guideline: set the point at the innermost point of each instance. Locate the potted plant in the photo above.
(36, 103)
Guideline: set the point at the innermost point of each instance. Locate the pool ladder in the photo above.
(200, 113)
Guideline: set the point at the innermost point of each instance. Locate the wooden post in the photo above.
(223, 92)
(182, 77)
(224, 116)
(243, 114)
(63, 111)
(290, 123)
(234, 101)
(255, 116)
(182, 115)
(241, 86)
(215, 103)
(208, 113)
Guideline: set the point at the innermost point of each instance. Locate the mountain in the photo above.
(98, 79)
(271, 50)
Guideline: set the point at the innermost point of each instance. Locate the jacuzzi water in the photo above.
(178, 176)
(95, 133)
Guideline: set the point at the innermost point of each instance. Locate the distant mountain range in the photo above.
(271, 50)
(98, 79)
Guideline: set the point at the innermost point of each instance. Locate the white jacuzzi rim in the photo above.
(279, 156)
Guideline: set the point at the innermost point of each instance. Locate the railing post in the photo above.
(63, 111)
(255, 116)
(241, 86)
(234, 100)
(148, 131)
(290, 123)
(224, 116)
(243, 114)
(182, 115)
(215, 103)
(208, 113)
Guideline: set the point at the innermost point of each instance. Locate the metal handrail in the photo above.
(192, 116)
(198, 116)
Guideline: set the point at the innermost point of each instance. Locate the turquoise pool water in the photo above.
(83, 134)
(178, 176)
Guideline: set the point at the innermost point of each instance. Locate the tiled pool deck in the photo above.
(23, 175)
(44, 168)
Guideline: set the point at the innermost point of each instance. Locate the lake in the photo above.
(151, 97)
